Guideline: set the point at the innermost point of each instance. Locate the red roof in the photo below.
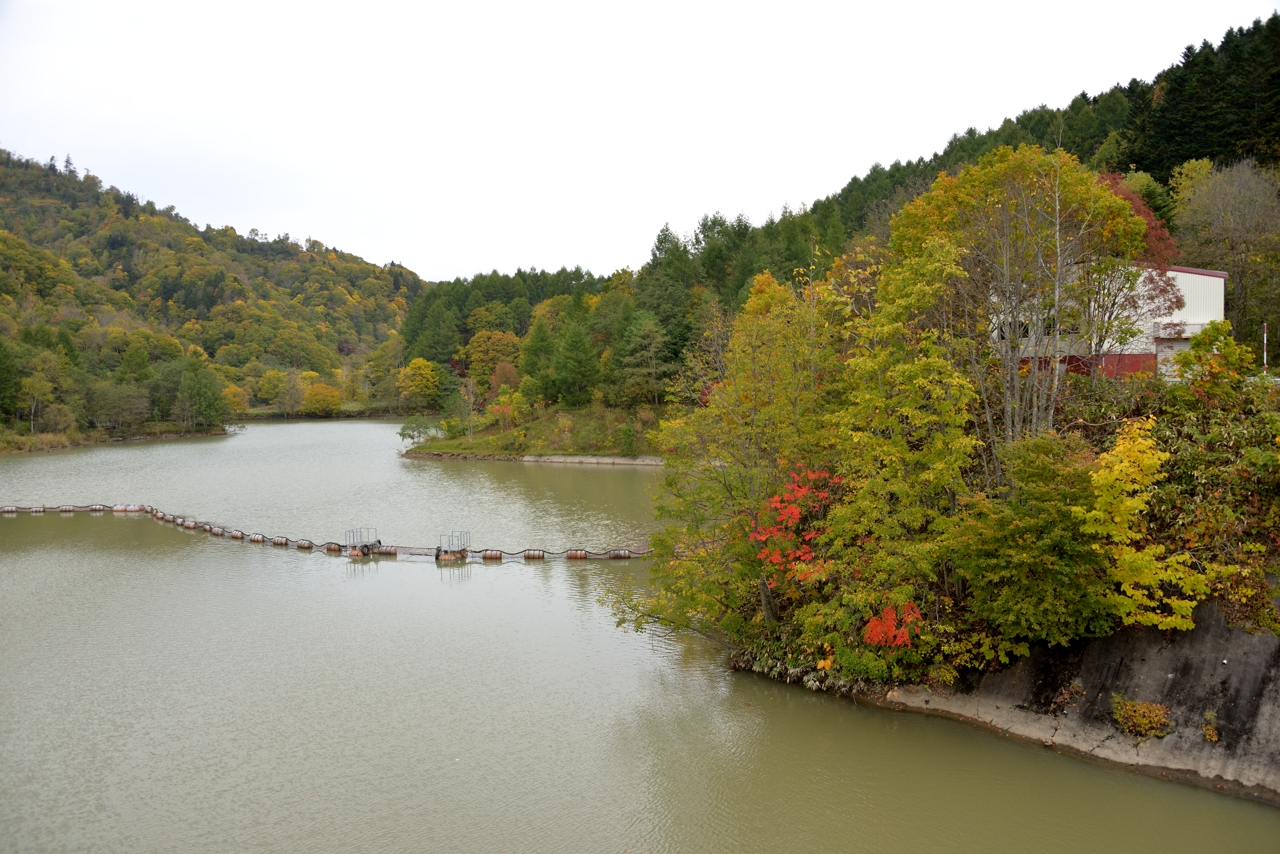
(1217, 274)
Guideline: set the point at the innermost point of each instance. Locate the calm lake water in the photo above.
(166, 691)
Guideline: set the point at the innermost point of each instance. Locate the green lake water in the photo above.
(167, 691)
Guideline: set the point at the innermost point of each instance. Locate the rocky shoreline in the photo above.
(1061, 699)
(577, 459)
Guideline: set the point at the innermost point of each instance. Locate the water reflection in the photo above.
(160, 691)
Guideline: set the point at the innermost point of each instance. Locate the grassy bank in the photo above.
(595, 431)
(19, 443)
(350, 409)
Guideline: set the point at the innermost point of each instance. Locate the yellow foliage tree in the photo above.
(272, 385)
(485, 350)
(418, 382)
(1152, 589)
(321, 400)
(236, 399)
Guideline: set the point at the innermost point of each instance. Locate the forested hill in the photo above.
(1220, 103)
(237, 297)
(94, 274)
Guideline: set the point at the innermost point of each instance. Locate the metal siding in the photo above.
(1204, 297)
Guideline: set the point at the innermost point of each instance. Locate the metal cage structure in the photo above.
(455, 541)
(356, 537)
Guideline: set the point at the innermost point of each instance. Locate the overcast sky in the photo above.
(463, 137)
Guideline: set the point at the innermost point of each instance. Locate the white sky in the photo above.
(467, 136)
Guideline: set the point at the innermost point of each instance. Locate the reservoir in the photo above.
(162, 690)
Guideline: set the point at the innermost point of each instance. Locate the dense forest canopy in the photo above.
(97, 276)
(883, 481)
(890, 476)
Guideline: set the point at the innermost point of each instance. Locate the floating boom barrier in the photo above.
(362, 550)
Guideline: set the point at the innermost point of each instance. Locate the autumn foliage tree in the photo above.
(419, 383)
(1040, 239)
(882, 477)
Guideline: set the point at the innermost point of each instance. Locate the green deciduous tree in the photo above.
(726, 459)
(120, 406)
(1039, 235)
(199, 400)
(1032, 571)
(135, 364)
(34, 393)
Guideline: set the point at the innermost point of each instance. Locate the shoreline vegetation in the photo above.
(23, 443)
(914, 474)
(543, 432)
(893, 452)
(579, 459)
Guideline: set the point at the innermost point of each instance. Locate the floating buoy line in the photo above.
(357, 551)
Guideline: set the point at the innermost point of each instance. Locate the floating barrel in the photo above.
(304, 544)
(134, 508)
(119, 508)
(279, 541)
(218, 532)
(534, 554)
(354, 553)
(189, 525)
(158, 515)
(576, 554)
(620, 554)
(332, 548)
(97, 508)
(491, 554)
(387, 550)
(206, 527)
(66, 508)
(237, 535)
(257, 538)
(169, 517)
(179, 521)
(36, 511)
(9, 511)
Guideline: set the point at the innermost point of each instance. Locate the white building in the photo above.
(1204, 294)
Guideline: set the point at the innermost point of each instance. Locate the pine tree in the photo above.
(575, 367)
(8, 380)
(439, 338)
(536, 356)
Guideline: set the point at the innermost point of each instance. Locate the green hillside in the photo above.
(91, 277)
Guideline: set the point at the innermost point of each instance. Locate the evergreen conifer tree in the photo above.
(575, 366)
(536, 356)
(8, 380)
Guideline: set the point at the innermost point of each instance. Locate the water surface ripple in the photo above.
(166, 691)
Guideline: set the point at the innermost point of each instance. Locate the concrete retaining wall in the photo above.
(1062, 698)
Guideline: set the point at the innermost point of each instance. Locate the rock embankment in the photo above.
(1061, 698)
